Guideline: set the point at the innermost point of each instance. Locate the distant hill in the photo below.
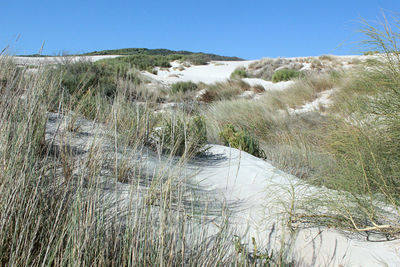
(160, 52)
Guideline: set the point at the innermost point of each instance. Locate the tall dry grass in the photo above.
(352, 148)
(59, 207)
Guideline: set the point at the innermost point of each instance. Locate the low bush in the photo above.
(326, 57)
(79, 77)
(183, 87)
(239, 73)
(241, 139)
(285, 75)
(198, 59)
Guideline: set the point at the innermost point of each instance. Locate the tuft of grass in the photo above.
(182, 136)
(224, 90)
(240, 139)
(285, 75)
(183, 87)
(302, 91)
(254, 117)
(266, 67)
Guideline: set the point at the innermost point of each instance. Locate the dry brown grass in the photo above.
(304, 90)
(224, 90)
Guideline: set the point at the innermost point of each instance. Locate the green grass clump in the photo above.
(179, 135)
(183, 87)
(239, 73)
(240, 139)
(285, 75)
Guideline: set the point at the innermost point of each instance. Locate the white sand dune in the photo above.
(215, 71)
(37, 61)
(261, 192)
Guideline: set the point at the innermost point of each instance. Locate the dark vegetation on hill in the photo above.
(158, 52)
(141, 62)
(34, 55)
(144, 58)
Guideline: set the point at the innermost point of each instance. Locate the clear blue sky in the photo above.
(249, 29)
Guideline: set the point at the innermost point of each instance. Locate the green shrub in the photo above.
(183, 87)
(285, 75)
(180, 136)
(239, 73)
(241, 139)
(79, 77)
